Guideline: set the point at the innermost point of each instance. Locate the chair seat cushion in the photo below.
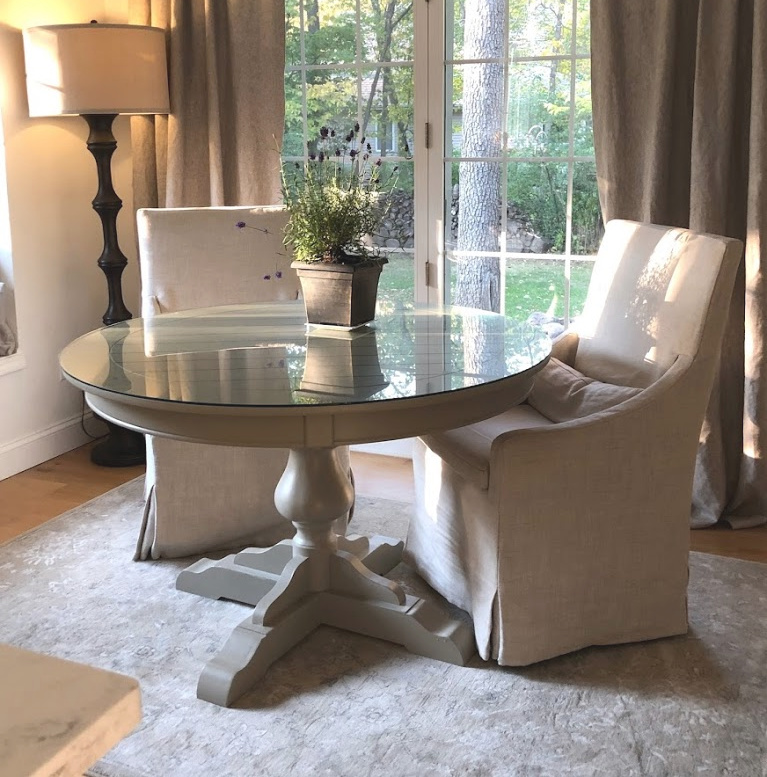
(561, 393)
(467, 449)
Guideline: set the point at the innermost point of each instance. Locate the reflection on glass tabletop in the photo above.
(267, 355)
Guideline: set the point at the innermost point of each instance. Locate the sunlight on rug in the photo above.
(342, 704)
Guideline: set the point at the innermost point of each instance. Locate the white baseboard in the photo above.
(29, 451)
(401, 448)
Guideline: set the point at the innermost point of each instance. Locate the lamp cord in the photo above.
(85, 430)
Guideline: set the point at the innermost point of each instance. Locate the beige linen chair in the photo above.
(564, 522)
(201, 498)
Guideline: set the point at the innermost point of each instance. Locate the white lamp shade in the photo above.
(95, 68)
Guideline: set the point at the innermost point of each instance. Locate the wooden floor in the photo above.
(43, 492)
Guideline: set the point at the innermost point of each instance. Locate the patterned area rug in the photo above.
(345, 705)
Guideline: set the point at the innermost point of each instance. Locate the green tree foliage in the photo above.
(344, 88)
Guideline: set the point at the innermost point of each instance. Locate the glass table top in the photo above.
(266, 355)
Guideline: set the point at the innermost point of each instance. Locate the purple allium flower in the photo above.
(366, 157)
(362, 139)
(321, 157)
(332, 133)
(324, 132)
(378, 163)
(312, 157)
(338, 152)
(356, 126)
(369, 147)
(278, 274)
(352, 154)
(240, 225)
(349, 137)
(267, 277)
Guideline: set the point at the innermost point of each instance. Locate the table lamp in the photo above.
(97, 71)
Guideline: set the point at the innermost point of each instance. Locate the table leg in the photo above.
(323, 583)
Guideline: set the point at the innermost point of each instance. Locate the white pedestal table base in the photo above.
(314, 579)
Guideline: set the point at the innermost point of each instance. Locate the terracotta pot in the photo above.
(340, 294)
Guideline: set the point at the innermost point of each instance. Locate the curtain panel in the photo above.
(220, 144)
(680, 131)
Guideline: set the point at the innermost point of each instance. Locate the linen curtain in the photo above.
(220, 144)
(680, 131)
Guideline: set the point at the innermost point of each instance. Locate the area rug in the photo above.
(345, 705)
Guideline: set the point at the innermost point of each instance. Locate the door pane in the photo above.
(386, 30)
(473, 219)
(293, 137)
(331, 100)
(388, 101)
(537, 194)
(477, 110)
(580, 275)
(535, 287)
(583, 131)
(537, 28)
(539, 109)
(588, 227)
(330, 33)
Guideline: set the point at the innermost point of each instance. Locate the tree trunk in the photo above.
(312, 10)
(478, 282)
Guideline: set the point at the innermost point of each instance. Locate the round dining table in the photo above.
(259, 375)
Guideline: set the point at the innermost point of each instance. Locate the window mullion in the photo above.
(570, 170)
(430, 101)
(302, 45)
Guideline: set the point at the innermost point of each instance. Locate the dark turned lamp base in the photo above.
(123, 447)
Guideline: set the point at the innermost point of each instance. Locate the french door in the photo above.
(484, 108)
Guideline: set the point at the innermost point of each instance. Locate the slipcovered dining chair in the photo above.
(564, 522)
(202, 498)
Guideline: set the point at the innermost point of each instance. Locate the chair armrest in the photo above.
(614, 440)
(565, 346)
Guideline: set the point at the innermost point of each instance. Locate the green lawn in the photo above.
(532, 285)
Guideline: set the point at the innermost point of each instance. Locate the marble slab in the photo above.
(58, 717)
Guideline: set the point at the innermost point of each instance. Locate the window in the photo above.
(505, 195)
(350, 62)
(8, 338)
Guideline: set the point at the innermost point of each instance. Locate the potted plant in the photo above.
(336, 201)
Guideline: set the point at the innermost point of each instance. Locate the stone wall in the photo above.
(396, 231)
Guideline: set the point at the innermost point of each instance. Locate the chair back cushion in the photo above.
(647, 301)
(197, 257)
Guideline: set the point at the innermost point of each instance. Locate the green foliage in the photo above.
(338, 34)
(384, 103)
(336, 199)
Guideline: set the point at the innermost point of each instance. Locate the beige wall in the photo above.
(55, 239)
